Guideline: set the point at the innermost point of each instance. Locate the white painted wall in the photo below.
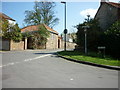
(12, 22)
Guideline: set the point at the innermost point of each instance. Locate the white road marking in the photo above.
(26, 60)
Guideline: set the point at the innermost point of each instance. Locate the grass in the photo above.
(91, 57)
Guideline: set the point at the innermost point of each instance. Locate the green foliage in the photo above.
(13, 33)
(93, 34)
(10, 31)
(111, 39)
(114, 29)
(43, 32)
(39, 38)
(26, 34)
(43, 13)
(4, 25)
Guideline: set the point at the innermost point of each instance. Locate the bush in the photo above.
(112, 39)
(13, 33)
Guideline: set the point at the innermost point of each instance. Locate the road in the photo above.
(43, 69)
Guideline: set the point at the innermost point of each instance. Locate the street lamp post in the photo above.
(85, 30)
(88, 17)
(65, 30)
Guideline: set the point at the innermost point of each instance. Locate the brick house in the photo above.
(107, 14)
(52, 41)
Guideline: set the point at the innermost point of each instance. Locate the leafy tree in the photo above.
(114, 29)
(112, 39)
(43, 13)
(26, 34)
(39, 38)
(13, 33)
(4, 25)
(10, 31)
(93, 34)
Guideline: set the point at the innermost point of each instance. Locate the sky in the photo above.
(76, 12)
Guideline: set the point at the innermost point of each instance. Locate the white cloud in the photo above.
(89, 11)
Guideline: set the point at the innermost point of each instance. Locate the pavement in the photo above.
(44, 69)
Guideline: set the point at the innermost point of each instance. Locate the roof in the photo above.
(50, 29)
(117, 5)
(32, 28)
(5, 16)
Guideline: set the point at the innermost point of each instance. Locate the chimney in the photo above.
(103, 1)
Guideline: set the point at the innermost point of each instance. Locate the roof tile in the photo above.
(35, 28)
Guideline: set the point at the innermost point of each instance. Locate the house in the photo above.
(10, 20)
(107, 14)
(7, 44)
(3, 16)
(52, 40)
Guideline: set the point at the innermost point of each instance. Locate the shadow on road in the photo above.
(54, 54)
(45, 53)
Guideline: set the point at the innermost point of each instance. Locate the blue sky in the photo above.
(76, 12)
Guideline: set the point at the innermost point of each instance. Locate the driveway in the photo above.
(43, 69)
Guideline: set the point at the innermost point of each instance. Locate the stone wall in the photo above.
(17, 45)
(6, 44)
(69, 45)
(52, 42)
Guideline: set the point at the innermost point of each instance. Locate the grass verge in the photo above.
(90, 58)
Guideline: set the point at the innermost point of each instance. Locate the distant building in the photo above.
(107, 14)
(69, 37)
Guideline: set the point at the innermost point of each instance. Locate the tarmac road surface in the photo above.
(43, 69)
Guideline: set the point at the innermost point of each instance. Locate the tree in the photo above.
(10, 31)
(39, 38)
(93, 34)
(13, 33)
(4, 25)
(112, 39)
(43, 13)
